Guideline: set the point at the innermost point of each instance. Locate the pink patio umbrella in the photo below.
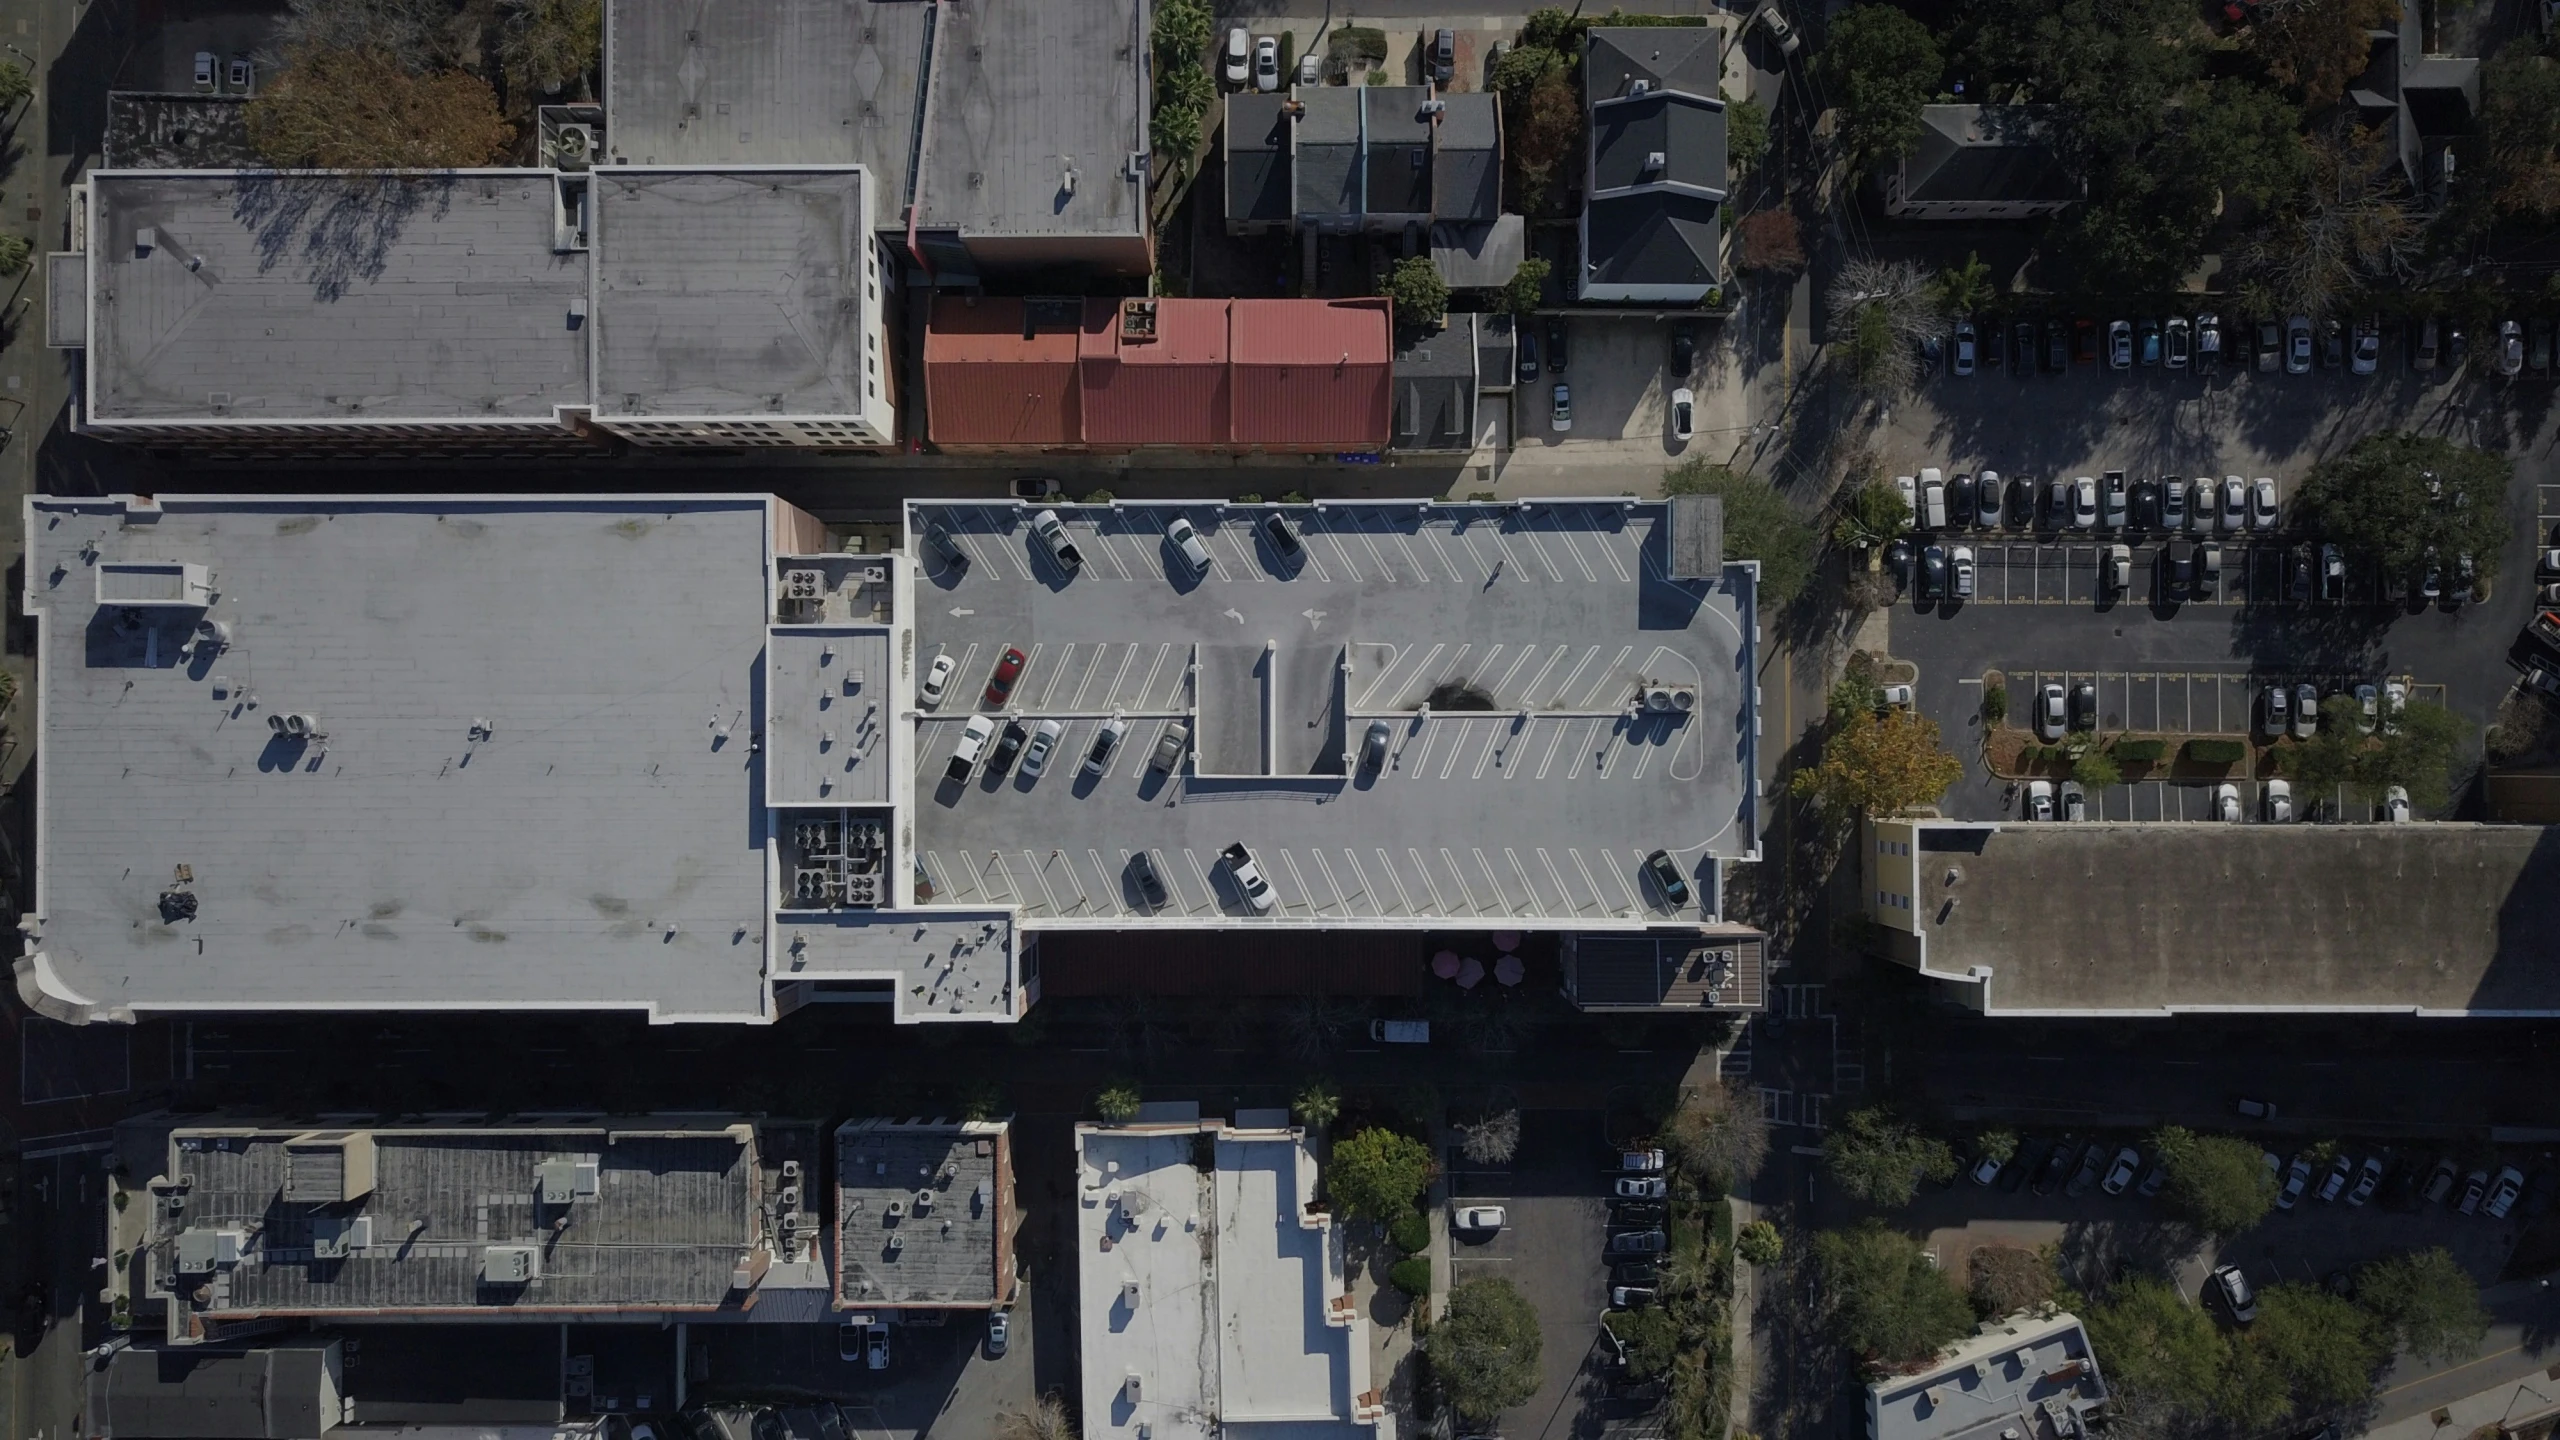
(1445, 964)
(1506, 940)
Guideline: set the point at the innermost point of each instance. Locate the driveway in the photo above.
(1550, 1251)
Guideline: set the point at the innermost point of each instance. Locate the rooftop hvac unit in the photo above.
(336, 1237)
(924, 1201)
(1129, 1293)
(1683, 698)
(511, 1264)
(203, 1249)
(575, 147)
(1654, 161)
(1133, 1388)
(802, 584)
(790, 1198)
(790, 1169)
(1639, 87)
(1657, 697)
(897, 1242)
(1137, 320)
(875, 574)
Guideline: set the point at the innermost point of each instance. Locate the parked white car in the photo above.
(937, 680)
(1683, 415)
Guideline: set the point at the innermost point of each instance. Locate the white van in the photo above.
(1933, 500)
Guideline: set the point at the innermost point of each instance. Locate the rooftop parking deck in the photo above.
(1536, 800)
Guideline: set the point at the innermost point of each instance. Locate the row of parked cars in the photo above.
(1639, 1197)
(2294, 344)
(2111, 501)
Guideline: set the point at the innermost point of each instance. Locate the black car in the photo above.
(1666, 874)
(1634, 1272)
(1528, 354)
(2146, 504)
(1960, 499)
(1933, 572)
(2022, 349)
(1142, 869)
(1684, 352)
(1897, 558)
(2022, 1164)
(1008, 745)
(2299, 569)
(1283, 536)
(2333, 344)
(2056, 1165)
(1555, 344)
(2084, 706)
(1638, 1215)
(2057, 504)
(2057, 348)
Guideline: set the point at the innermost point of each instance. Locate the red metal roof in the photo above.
(1274, 374)
(1313, 374)
(985, 383)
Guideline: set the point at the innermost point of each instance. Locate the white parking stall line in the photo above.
(1565, 538)
(1312, 561)
(1502, 687)
(1529, 692)
(1147, 684)
(1423, 868)
(1644, 753)
(1000, 543)
(1431, 535)
(1410, 558)
(1208, 892)
(1501, 897)
(1091, 669)
(1457, 746)
(1529, 887)
(1634, 900)
(1414, 764)
(1556, 878)
(1172, 883)
(1547, 757)
(1592, 747)
(1341, 555)
(1375, 556)
(1574, 548)
(1360, 873)
(995, 866)
(1529, 535)
(1050, 677)
(1565, 686)
(1451, 672)
(1290, 859)
(978, 554)
(1244, 553)
(1404, 897)
(1369, 694)
(1479, 569)
(1599, 897)
(1460, 877)
(1588, 696)
(938, 878)
(1048, 897)
(1341, 901)
(1217, 566)
(1492, 737)
(1612, 745)
(1110, 880)
(1102, 543)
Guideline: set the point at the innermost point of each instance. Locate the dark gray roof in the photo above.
(293, 297)
(1479, 256)
(1714, 970)
(1018, 84)
(1688, 134)
(1398, 162)
(1435, 380)
(945, 1254)
(1984, 153)
(178, 132)
(670, 1215)
(1328, 163)
(1651, 238)
(735, 293)
(1696, 535)
(1257, 141)
(1466, 177)
(1688, 58)
(287, 1392)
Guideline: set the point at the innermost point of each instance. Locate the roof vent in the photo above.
(1654, 161)
(335, 1237)
(154, 584)
(1133, 1388)
(1129, 1293)
(202, 1249)
(1639, 87)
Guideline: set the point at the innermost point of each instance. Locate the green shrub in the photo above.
(1411, 1232)
(2217, 752)
(1117, 1104)
(1250, 497)
(1365, 41)
(1995, 704)
(1293, 497)
(1760, 1243)
(1098, 497)
(2141, 752)
(1412, 1275)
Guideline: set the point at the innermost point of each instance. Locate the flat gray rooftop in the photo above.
(600, 845)
(2156, 918)
(1021, 90)
(827, 717)
(729, 294)
(261, 297)
(1540, 806)
(945, 1253)
(670, 1217)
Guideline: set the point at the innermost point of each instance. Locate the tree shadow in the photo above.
(340, 228)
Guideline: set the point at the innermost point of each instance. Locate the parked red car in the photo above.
(1008, 670)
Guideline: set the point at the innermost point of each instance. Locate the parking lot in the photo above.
(2188, 702)
(1551, 1248)
(1280, 667)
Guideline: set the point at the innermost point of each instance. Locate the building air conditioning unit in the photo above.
(335, 1237)
(511, 1264)
(575, 147)
(803, 584)
(204, 1249)
(1657, 697)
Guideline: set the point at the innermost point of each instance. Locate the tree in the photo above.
(1856, 692)
(1492, 1140)
(2425, 1303)
(2154, 1344)
(1965, 288)
(2008, 1279)
(1760, 1243)
(2111, 67)
(1484, 1352)
(1174, 130)
(418, 36)
(1377, 1174)
(2332, 756)
(2417, 755)
(1316, 1106)
(1117, 1103)
(2316, 47)
(2350, 224)
(1527, 286)
(2397, 497)
(1999, 1146)
(15, 85)
(1881, 66)
(1047, 1419)
(1718, 1135)
(1547, 134)
(358, 110)
(1876, 515)
(1882, 1160)
(1759, 525)
(2096, 770)
(1884, 1299)
(1420, 294)
(1772, 240)
(1879, 765)
(1180, 31)
(2520, 127)
(2322, 1350)
(549, 46)
(15, 252)
(2215, 1181)
(1746, 134)
(1652, 1339)
(1883, 309)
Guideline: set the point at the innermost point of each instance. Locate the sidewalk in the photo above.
(2509, 1407)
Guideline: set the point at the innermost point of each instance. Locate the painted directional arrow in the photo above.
(957, 610)
(1233, 614)
(1315, 618)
